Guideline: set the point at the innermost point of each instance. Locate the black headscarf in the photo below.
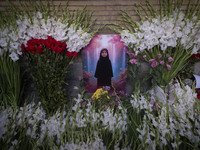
(104, 67)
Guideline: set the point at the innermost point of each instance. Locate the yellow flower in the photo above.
(98, 93)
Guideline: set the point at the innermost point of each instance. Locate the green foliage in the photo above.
(48, 71)
(134, 119)
(11, 84)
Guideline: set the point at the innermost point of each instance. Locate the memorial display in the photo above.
(94, 66)
(42, 40)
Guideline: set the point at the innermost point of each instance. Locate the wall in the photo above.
(105, 11)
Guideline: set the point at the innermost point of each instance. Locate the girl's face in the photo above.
(104, 54)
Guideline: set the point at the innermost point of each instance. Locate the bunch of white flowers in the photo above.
(33, 122)
(176, 119)
(90, 145)
(78, 39)
(109, 119)
(165, 32)
(39, 28)
(4, 119)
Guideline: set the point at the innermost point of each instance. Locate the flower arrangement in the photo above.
(40, 23)
(160, 64)
(176, 123)
(66, 129)
(48, 41)
(169, 31)
(98, 93)
(103, 100)
(145, 123)
(48, 62)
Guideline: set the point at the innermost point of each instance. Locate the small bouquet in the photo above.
(48, 63)
(160, 64)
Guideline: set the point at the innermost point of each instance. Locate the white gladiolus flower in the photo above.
(77, 39)
(14, 56)
(173, 121)
(169, 120)
(39, 15)
(166, 33)
(14, 45)
(40, 29)
(13, 36)
(3, 42)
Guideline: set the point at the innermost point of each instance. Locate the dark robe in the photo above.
(104, 71)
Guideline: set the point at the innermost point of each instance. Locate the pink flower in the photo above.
(151, 102)
(161, 62)
(156, 106)
(133, 61)
(80, 78)
(142, 58)
(168, 67)
(127, 52)
(151, 60)
(105, 106)
(170, 59)
(154, 64)
(133, 55)
(159, 56)
(83, 104)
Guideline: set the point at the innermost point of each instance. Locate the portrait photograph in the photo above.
(105, 64)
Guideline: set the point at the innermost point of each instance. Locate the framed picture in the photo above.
(105, 64)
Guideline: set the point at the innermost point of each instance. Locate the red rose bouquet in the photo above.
(48, 64)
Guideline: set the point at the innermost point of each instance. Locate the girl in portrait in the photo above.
(104, 71)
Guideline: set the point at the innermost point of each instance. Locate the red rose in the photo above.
(47, 44)
(75, 53)
(70, 54)
(54, 49)
(58, 43)
(64, 45)
(32, 42)
(59, 49)
(31, 48)
(37, 46)
(40, 49)
(50, 38)
(198, 96)
(192, 57)
(23, 48)
(41, 42)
